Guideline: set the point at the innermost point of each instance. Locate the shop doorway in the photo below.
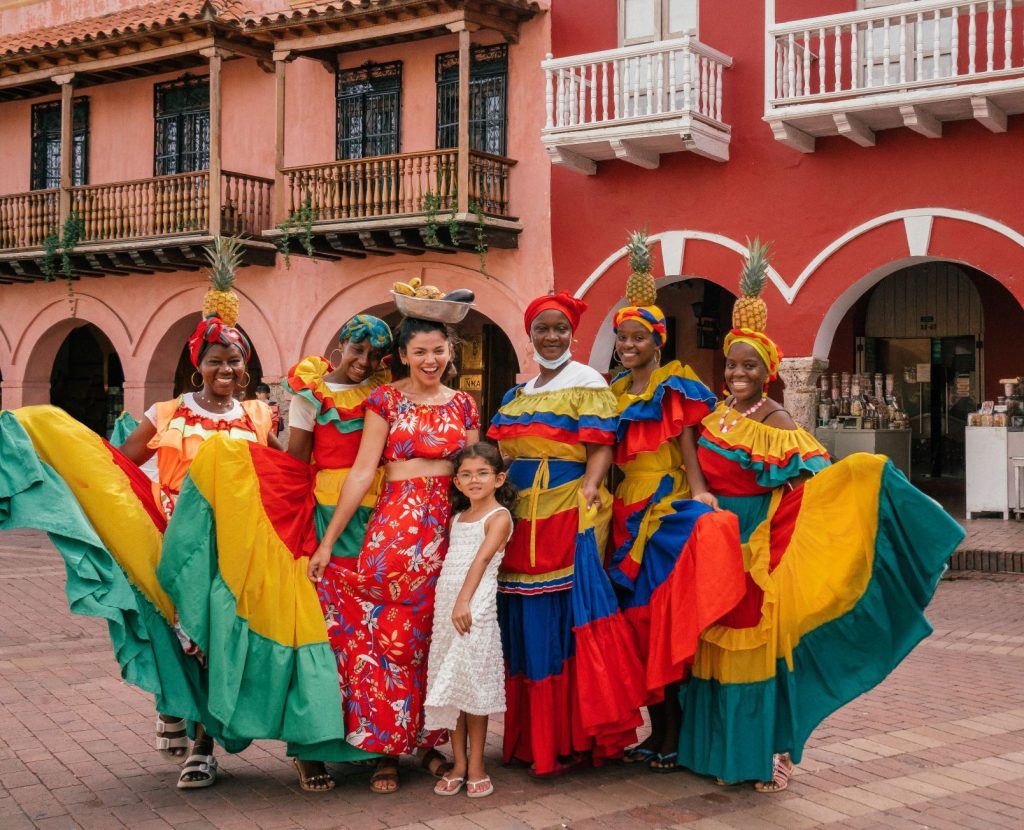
(926, 326)
(87, 380)
(937, 380)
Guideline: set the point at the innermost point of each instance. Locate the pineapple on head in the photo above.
(640, 287)
(224, 256)
(750, 311)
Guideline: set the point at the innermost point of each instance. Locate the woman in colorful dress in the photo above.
(659, 409)
(380, 606)
(575, 684)
(325, 423)
(841, 561)
(325, 420)
(173, 430)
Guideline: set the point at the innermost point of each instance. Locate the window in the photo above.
(488, 86)
(46, 144)
(920, 67)
(182, 116)
(645, 21)
(369, 110)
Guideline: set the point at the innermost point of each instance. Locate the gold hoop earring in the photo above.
(657, 357)
(247, 380)
(335, 363)
(196, 383)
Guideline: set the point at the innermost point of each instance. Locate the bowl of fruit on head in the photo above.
(428, 302)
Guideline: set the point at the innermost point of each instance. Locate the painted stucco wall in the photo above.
(287, 312)
(804, 202)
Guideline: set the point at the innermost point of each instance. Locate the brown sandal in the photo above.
(387, 772)
(435, 763)
(782, 768)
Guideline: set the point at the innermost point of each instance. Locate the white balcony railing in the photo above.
(636, 94)
(928, 53)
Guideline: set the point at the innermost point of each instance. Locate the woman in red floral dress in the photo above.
(380, 606)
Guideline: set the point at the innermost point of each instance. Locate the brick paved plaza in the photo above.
(940, 744)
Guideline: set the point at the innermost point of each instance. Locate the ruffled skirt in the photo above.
(670, 551)
(575, 683)
(840, 572)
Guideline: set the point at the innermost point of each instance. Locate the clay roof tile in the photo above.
(136, 19)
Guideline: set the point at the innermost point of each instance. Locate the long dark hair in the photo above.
(506, 495)
(407, 330)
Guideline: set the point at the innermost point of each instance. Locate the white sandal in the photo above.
(782, 769)
(203, 764)
(481, 788)
(178, 739)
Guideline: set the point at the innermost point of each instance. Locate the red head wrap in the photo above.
(562, 301)
(212, 330)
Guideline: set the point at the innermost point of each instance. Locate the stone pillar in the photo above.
(800, 375)
(18, 393)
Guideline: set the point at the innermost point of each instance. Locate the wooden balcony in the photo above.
(914, 65)
(636, 103)
(136, 227)
(404, 203)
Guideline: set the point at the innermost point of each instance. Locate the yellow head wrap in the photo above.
(766, 348)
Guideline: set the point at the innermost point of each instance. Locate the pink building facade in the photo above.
(326, 118)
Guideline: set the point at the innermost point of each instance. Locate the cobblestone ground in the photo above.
(940, 744)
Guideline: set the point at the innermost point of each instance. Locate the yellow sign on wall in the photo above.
(471, 383)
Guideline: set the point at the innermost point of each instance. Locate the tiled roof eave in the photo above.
(149, 20)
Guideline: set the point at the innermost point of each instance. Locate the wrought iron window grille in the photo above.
(45, 172)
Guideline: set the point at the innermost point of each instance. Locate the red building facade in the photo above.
(876, 146)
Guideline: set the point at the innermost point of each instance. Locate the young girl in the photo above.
(465, 670)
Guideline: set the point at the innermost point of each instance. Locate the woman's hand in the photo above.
(708, 499)
(461, 618)
(591, 494)
(318, 564)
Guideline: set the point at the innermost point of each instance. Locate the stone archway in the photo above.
(35, 350)
(494, 299)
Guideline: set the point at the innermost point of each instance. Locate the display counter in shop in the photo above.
(894, 443)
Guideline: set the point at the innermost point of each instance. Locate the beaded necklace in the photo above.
(724, 427)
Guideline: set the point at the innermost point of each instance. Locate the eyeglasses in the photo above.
(479, 475)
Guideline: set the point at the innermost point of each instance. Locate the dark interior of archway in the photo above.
(86, 380)
(185, 373)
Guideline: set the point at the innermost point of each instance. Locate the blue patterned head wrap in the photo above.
(367, 327)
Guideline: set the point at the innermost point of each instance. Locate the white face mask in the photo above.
(557, 363)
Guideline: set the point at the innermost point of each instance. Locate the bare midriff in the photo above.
(417, 468)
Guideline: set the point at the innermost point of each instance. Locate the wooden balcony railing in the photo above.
(26, 219)
(167, 205)
(396, 185)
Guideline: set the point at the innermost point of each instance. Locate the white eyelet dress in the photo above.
(465, 672)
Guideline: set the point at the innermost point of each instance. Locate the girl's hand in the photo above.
(318, 563)
(461, 618)
(708, 499)
(591, 495)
